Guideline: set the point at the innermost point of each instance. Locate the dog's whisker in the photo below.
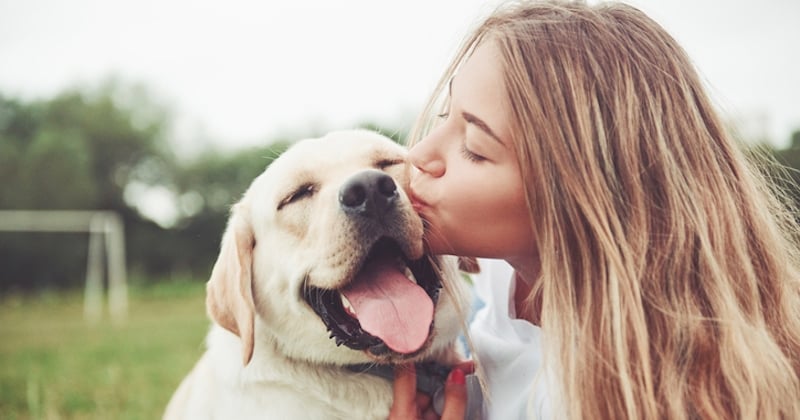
(273, 153)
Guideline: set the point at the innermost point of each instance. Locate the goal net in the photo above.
(106, 256)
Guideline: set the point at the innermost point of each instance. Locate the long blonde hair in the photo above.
(669, 269)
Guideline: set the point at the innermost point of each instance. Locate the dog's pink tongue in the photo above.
(390, 306)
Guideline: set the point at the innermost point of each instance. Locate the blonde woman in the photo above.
(655, 275)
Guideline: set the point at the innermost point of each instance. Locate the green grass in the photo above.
(55, 365)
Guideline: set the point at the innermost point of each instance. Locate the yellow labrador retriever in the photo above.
(322, 268)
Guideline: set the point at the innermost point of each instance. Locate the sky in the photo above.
(237, 73)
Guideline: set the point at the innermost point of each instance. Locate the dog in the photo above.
(322, 267)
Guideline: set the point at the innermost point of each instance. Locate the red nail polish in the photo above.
(457, 377)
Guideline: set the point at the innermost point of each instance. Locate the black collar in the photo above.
(431, 376)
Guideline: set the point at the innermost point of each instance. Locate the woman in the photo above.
(655, 273)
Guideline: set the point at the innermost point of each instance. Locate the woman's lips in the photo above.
(416, 202)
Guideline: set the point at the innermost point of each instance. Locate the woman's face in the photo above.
(466, 181)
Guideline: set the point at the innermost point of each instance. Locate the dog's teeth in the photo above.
(410, 274)
(347, 305)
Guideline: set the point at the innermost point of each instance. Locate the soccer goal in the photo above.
(106, 250)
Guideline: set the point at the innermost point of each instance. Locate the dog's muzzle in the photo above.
(387, 307)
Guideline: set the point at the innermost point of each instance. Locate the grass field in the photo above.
(54, 365)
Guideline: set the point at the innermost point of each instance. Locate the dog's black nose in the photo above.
(370, 193)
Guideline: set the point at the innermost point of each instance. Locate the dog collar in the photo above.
(431, 377)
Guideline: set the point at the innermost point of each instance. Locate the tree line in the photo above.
(83, 150)
(86, 148)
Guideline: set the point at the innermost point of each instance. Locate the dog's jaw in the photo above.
(345, 329)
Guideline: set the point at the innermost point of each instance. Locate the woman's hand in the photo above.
(412, 405)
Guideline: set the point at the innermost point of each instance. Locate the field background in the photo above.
(55, 365)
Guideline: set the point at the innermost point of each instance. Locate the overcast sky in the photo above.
(243, 71)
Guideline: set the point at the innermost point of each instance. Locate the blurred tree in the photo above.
(78, 150)
(85, 149)
(205, 188)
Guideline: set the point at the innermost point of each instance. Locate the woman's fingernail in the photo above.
(457, 377)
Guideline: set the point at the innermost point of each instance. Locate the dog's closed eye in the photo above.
(302, 192)
(385, 163)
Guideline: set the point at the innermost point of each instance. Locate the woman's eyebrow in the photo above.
(472, 119)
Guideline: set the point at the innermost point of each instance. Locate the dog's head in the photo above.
(323, 259)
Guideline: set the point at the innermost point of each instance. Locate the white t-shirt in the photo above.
(508, 349)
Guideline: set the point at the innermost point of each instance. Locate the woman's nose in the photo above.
(425, 157)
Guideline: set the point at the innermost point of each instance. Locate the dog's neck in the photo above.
(431, 376)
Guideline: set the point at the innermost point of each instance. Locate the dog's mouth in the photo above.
(387, 307)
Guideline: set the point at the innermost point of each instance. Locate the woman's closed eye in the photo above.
(470, 155)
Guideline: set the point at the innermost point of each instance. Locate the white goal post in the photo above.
(104, 228)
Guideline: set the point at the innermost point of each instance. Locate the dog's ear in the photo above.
(229, 294)
(469, 265)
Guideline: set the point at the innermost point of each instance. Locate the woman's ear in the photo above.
(229, 295)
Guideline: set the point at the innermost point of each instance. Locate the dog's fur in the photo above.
(269, 355)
